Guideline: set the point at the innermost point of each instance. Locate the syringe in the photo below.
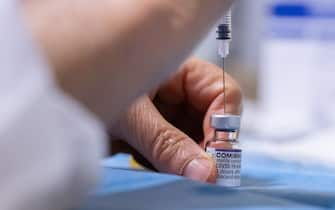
(224, 37)
(224, 147)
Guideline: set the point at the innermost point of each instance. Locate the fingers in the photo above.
(166, 147)
(200, 84)
(97, 47)
(231, 99)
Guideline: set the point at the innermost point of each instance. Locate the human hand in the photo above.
(166, 126)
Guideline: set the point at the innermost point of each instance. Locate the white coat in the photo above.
(50, 145)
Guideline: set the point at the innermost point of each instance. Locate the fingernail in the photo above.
(198, 170)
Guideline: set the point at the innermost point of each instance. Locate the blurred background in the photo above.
(283, 55)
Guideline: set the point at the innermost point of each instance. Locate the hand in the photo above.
(166, 126)
(106, 53)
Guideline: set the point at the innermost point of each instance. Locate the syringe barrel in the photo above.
(225, 34)
(224, 48)
(226, 19)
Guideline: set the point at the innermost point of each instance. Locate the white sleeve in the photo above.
(50, 146)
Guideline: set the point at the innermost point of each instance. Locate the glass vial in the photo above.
(225, 149)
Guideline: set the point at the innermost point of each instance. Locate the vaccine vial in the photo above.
(225, 149)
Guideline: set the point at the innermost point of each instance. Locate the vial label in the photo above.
(228, 164)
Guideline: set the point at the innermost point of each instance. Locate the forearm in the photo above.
(107, 53)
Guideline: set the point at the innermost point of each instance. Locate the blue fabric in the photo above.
(266, 184)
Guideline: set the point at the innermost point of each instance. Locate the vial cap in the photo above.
(226, 122)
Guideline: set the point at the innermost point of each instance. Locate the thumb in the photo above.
(166, 147)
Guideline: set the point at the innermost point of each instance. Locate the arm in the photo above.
(95, 48)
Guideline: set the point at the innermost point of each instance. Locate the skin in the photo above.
(109, 53)
(168, 125)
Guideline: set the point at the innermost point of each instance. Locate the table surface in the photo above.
(266, 183)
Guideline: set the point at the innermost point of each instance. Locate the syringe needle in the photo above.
(224, 86)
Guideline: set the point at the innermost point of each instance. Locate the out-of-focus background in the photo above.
(283, 55)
